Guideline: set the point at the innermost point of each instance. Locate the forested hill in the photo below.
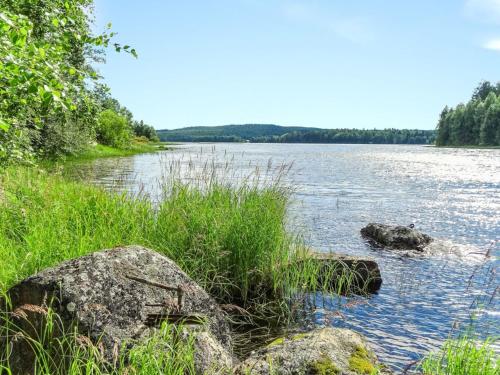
(228, 133)
(283, 134)
(476, 123)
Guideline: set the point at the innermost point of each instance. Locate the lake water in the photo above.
(453, 194)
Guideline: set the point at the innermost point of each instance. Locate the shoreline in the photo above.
(99, 151)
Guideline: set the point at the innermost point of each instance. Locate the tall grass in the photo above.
(228, 239)
(463, 356)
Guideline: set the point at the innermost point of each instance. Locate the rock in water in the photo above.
(396, 237)
(323, 351)
(114, 296)
(345, 274)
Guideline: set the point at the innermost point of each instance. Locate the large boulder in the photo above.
(344, 274)
(396, 237)
(333, 351)
(115, 297)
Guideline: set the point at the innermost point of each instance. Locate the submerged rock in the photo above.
(396, 237)
(115, 297)
(345, 274)
(323, 351)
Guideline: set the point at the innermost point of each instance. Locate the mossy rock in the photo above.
(324, 366)
(327, 351)
(281, 340)
(361, 362)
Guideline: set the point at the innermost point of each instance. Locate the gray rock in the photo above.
(210, 356)
(333, 351)
(396, 237)
(345, 273)
(108, 296)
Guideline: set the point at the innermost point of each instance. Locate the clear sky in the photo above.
(324, 63)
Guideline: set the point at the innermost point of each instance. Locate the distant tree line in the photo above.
(280, 134)
(476, 123)
(376, 136)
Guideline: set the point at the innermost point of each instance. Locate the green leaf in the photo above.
(55, 22)
(6, 19)
(4, 126)
(134, 53)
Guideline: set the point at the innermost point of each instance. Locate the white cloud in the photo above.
(493, 44)
(355, 29)
(487, 10)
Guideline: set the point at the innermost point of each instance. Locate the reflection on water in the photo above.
(453, 194)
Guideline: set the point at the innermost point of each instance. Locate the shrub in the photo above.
(113, 129)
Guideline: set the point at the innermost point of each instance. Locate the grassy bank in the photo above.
(101, 151)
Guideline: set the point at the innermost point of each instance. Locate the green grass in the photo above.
(226, 239)
(463, 356)
(102, 151)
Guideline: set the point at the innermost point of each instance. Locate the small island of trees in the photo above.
(476, 123)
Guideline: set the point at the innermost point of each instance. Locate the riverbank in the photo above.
(100, 151)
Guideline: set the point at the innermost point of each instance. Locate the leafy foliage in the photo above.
(113, 129)
(282, 134)
(475, 123)
(47, 107)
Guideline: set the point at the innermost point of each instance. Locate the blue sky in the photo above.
(324, 63)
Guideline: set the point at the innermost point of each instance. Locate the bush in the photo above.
(113, 130)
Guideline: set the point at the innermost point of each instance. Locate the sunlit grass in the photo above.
(463, 356)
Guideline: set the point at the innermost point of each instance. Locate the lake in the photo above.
(452, 194)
